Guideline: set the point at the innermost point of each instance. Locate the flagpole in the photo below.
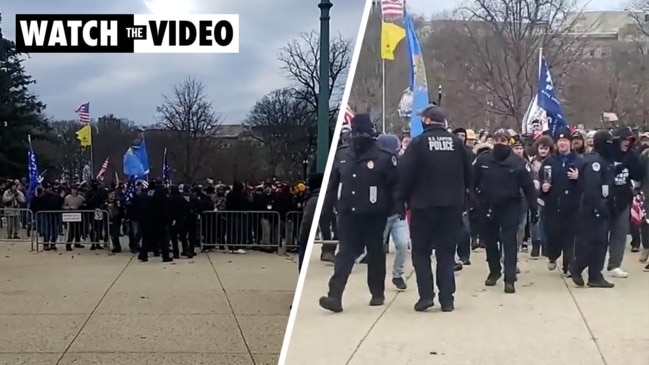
(383, 93)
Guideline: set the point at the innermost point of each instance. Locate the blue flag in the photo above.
(132, 164)
(548, 101)
(32, 167)
(166, 169)
(143, 156)
(418, 81)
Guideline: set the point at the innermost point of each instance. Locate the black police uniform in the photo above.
(434, 177)
(179, 207)
(561, 205)
(597, 180)
(498, 181)
(363, 187)
(155, 223)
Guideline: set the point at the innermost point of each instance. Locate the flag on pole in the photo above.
(129, 192)
(544, 112)
(348, 116)
(418, 80)
(32, 169)
(84, 135)
(392, 8)
(132, 164)
(548, 100)
(102, 170)
(391, 35)
(142, 154)
(166, 169)
(83, 111)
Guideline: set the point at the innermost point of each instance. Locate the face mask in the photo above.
(501, 151)
(361, 143)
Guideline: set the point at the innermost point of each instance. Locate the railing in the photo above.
(225, 230)
(234, 230)
(16, 225)
(292, 231)
(74, 227)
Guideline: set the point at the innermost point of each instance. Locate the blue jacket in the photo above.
(564, 194)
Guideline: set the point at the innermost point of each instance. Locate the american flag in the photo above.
(348, 116)
(392, 8)
(129, 193)
(102, 170)
(84, 113)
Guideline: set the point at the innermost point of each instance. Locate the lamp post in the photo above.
(305, 165)
(323, 142)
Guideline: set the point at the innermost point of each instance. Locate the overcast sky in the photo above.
(428, 7)
(131, 85)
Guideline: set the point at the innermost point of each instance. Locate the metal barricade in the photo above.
(17, 225)
(74, 228)
(292, 231)
(235, 230)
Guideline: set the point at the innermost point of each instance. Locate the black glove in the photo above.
(534, 216)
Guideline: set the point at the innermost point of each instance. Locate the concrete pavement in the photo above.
(89, 308)
(548, 321)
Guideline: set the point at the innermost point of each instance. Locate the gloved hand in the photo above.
(534, 216)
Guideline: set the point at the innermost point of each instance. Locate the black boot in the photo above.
(331, 304)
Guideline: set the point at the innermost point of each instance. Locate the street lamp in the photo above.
(323, 142)
(305, 164)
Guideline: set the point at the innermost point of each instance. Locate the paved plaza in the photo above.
(548, 321)
(86, 307)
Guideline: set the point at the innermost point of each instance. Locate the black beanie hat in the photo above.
(315, 181)
(362, 125)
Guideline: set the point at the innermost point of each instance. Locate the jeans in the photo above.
(400, 233)
(617, 238)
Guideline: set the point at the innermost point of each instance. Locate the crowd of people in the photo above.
(453, 191)
(105, 215)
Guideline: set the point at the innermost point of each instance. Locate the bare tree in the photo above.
(64, 151)
(500, 47)
(193, 124)
(285, 124)
(300, 59)
(639, 11)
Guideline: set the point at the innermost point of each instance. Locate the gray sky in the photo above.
(427, 7)
(131, 85)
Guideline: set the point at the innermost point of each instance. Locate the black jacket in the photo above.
(626, 167)
(564, 194)
(435, 170)
(363, 183)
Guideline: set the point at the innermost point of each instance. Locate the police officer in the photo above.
(597, 180)
(363, 185)
(560, 192)
(434, 175)
(192, 224)
(155, 222)
(179, 210)
(499, 177)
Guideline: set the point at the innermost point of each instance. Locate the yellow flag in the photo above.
(84, 135)
(391, 35)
